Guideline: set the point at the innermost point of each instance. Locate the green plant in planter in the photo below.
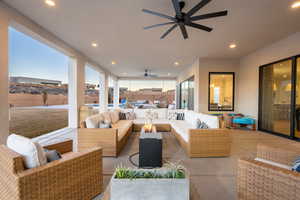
(173, 171)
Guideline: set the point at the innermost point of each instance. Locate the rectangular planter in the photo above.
(150, 189)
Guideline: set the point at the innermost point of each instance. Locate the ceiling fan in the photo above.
(148, 74)
(183, 19)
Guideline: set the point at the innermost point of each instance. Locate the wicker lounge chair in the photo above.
(76, 176)
(260, 181)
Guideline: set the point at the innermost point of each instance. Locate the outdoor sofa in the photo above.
(212, 142)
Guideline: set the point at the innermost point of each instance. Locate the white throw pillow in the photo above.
(33, 153)
(93, 121)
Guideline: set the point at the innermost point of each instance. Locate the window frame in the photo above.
(192, 78)
(233, 90)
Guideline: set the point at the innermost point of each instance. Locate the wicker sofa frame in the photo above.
(206, 143)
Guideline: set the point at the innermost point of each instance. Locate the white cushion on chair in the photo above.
(273, 163)
(33, 153)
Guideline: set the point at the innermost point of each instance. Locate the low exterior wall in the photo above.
(27, 100)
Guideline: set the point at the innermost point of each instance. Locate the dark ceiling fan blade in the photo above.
(210, 15)
(168, 31)
(159, 14)
(183, 30)
(158, 25)
(199, 26)
(177, 8)
(198, 7)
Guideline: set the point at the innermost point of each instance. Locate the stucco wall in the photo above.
(248, 79)
(200, 70)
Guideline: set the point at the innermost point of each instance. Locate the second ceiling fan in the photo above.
(183, 19)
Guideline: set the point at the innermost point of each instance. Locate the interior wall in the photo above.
(248, 79)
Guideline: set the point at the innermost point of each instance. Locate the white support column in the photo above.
(4, 107)
(76, 90)
(103, 92)
(116, 93)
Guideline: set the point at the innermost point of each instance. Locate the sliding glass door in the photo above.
(187, 94)
(275, 99)
(279, 98)
(297, 102)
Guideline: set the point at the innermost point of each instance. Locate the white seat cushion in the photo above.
(182, 128)
(93, 121)
(210, 120)
(33, 153)
(191, 118)
(140, 113)
(162, 113)
(139, 121)
(273, 163)
(161, 121)
(155, 121)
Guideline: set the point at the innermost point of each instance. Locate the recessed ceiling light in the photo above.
(50, 3)
(169, 74)
(296, 4)
(176, 63)
(232, 46)
(113, 62)
(94, 44)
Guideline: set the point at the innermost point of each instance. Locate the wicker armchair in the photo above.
(76, 176)
(261, 181)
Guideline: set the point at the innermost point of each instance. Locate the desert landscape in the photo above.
(33, 122)
(30, 121)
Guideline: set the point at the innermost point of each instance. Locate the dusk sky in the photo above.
(31, 58)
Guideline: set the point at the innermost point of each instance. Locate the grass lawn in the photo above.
(31, 122)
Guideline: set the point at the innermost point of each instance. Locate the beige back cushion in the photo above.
(114, 115)
(107, 117)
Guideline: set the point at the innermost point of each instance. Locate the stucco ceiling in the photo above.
(117, 26)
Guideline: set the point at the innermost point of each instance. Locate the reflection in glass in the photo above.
(297, 124)
(276, 97)
(187, 94)
(221, 91)
(147, 93)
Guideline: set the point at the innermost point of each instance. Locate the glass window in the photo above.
(147, 93)
(187, 94)
(221, 91)
(91, 86)
(38, 93)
